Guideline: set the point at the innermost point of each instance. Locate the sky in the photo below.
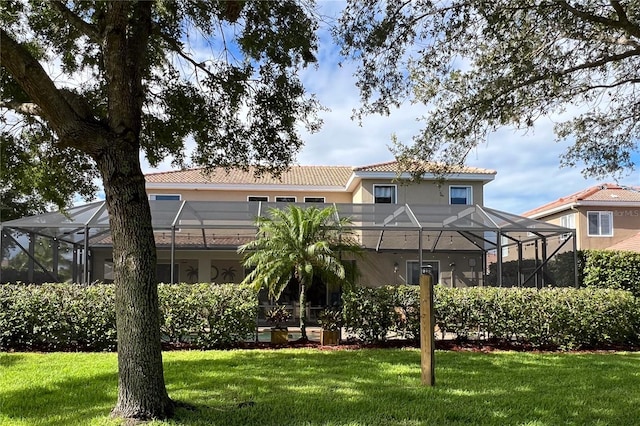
(527, 165)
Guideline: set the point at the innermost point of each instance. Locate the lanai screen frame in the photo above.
(472, 222)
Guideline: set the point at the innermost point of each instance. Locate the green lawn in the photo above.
(354, 387)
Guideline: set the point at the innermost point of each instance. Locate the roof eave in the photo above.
(242, 187)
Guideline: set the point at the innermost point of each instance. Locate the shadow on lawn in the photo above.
(383, 387)
(63, 402)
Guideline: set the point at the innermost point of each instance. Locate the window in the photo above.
(600, 224)
(314, 199)
(384, 194)
(505, 248)
(567, 221)
(164, 197)
(460, 195)
(257, 198)
(285, 199)
(414, 272)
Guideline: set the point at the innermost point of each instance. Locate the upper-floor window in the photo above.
(568, 221)
(460, 195)
(285, 199)
(314, 199)
(257, 198)
(384, 194)
(164, 197)
(600, 224)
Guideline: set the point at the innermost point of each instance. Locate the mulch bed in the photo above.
(448, 345)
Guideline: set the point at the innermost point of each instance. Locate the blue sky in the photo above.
(527, 165)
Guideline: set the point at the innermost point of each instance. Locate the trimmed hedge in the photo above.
(74, 317)
(596, 268)
(562, 317)
(612, 269)
(207, 315)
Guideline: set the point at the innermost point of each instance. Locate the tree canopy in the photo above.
(482, 65)
(87, 85)
(222, 73)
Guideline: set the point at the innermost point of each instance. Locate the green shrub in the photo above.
(207, 315)
(57, 317)
(75, 317)
(369, 312)
(563, 317)
(613, 269)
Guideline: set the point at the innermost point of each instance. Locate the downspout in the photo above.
(575, 259)
(31, 253)
(173, 238)
(544, 262)
(519, 264)
(419, 249)
(55, 258)
(173, 252)
(85, 257)
(499, 257)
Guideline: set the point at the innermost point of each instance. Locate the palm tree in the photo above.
(298, 243)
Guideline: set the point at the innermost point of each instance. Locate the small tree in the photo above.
(298, 243)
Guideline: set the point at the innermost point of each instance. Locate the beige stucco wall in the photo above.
(626, 223)
(375, 269)
(425, 192)
(237, 195)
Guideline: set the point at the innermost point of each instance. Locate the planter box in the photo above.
(279, 336)
(330, 337)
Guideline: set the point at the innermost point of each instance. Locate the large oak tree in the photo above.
(479, 65)
(97, 82)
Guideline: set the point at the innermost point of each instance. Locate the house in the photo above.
(605, 216)
(200, 219)
(342, 185)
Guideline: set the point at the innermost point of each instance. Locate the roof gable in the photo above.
(608, 194)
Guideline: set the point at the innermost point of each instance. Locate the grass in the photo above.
(355, 387)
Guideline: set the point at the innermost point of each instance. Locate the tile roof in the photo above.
(296, 175)
(630, 244)
(608, 192)
(392, 166)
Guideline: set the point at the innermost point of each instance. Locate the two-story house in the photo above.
(341, 185)
(200, 219)
(605, 216)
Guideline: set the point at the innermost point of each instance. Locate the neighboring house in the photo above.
(605, 216)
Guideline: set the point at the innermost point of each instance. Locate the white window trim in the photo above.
(153, 196)
(571, 218)
(324, 200)
(258, 196)
(600, 213)
(504, 246)
(279, 197)
(469, 187)
(408, 268)
(395, 192)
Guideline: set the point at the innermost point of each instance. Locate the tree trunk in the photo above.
(303, 311)
(141, 389)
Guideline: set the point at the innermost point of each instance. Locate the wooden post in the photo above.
(427, 322)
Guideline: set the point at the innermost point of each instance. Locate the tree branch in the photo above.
(81, 25)
(621, 24)
(26, 108)
(35, 82)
